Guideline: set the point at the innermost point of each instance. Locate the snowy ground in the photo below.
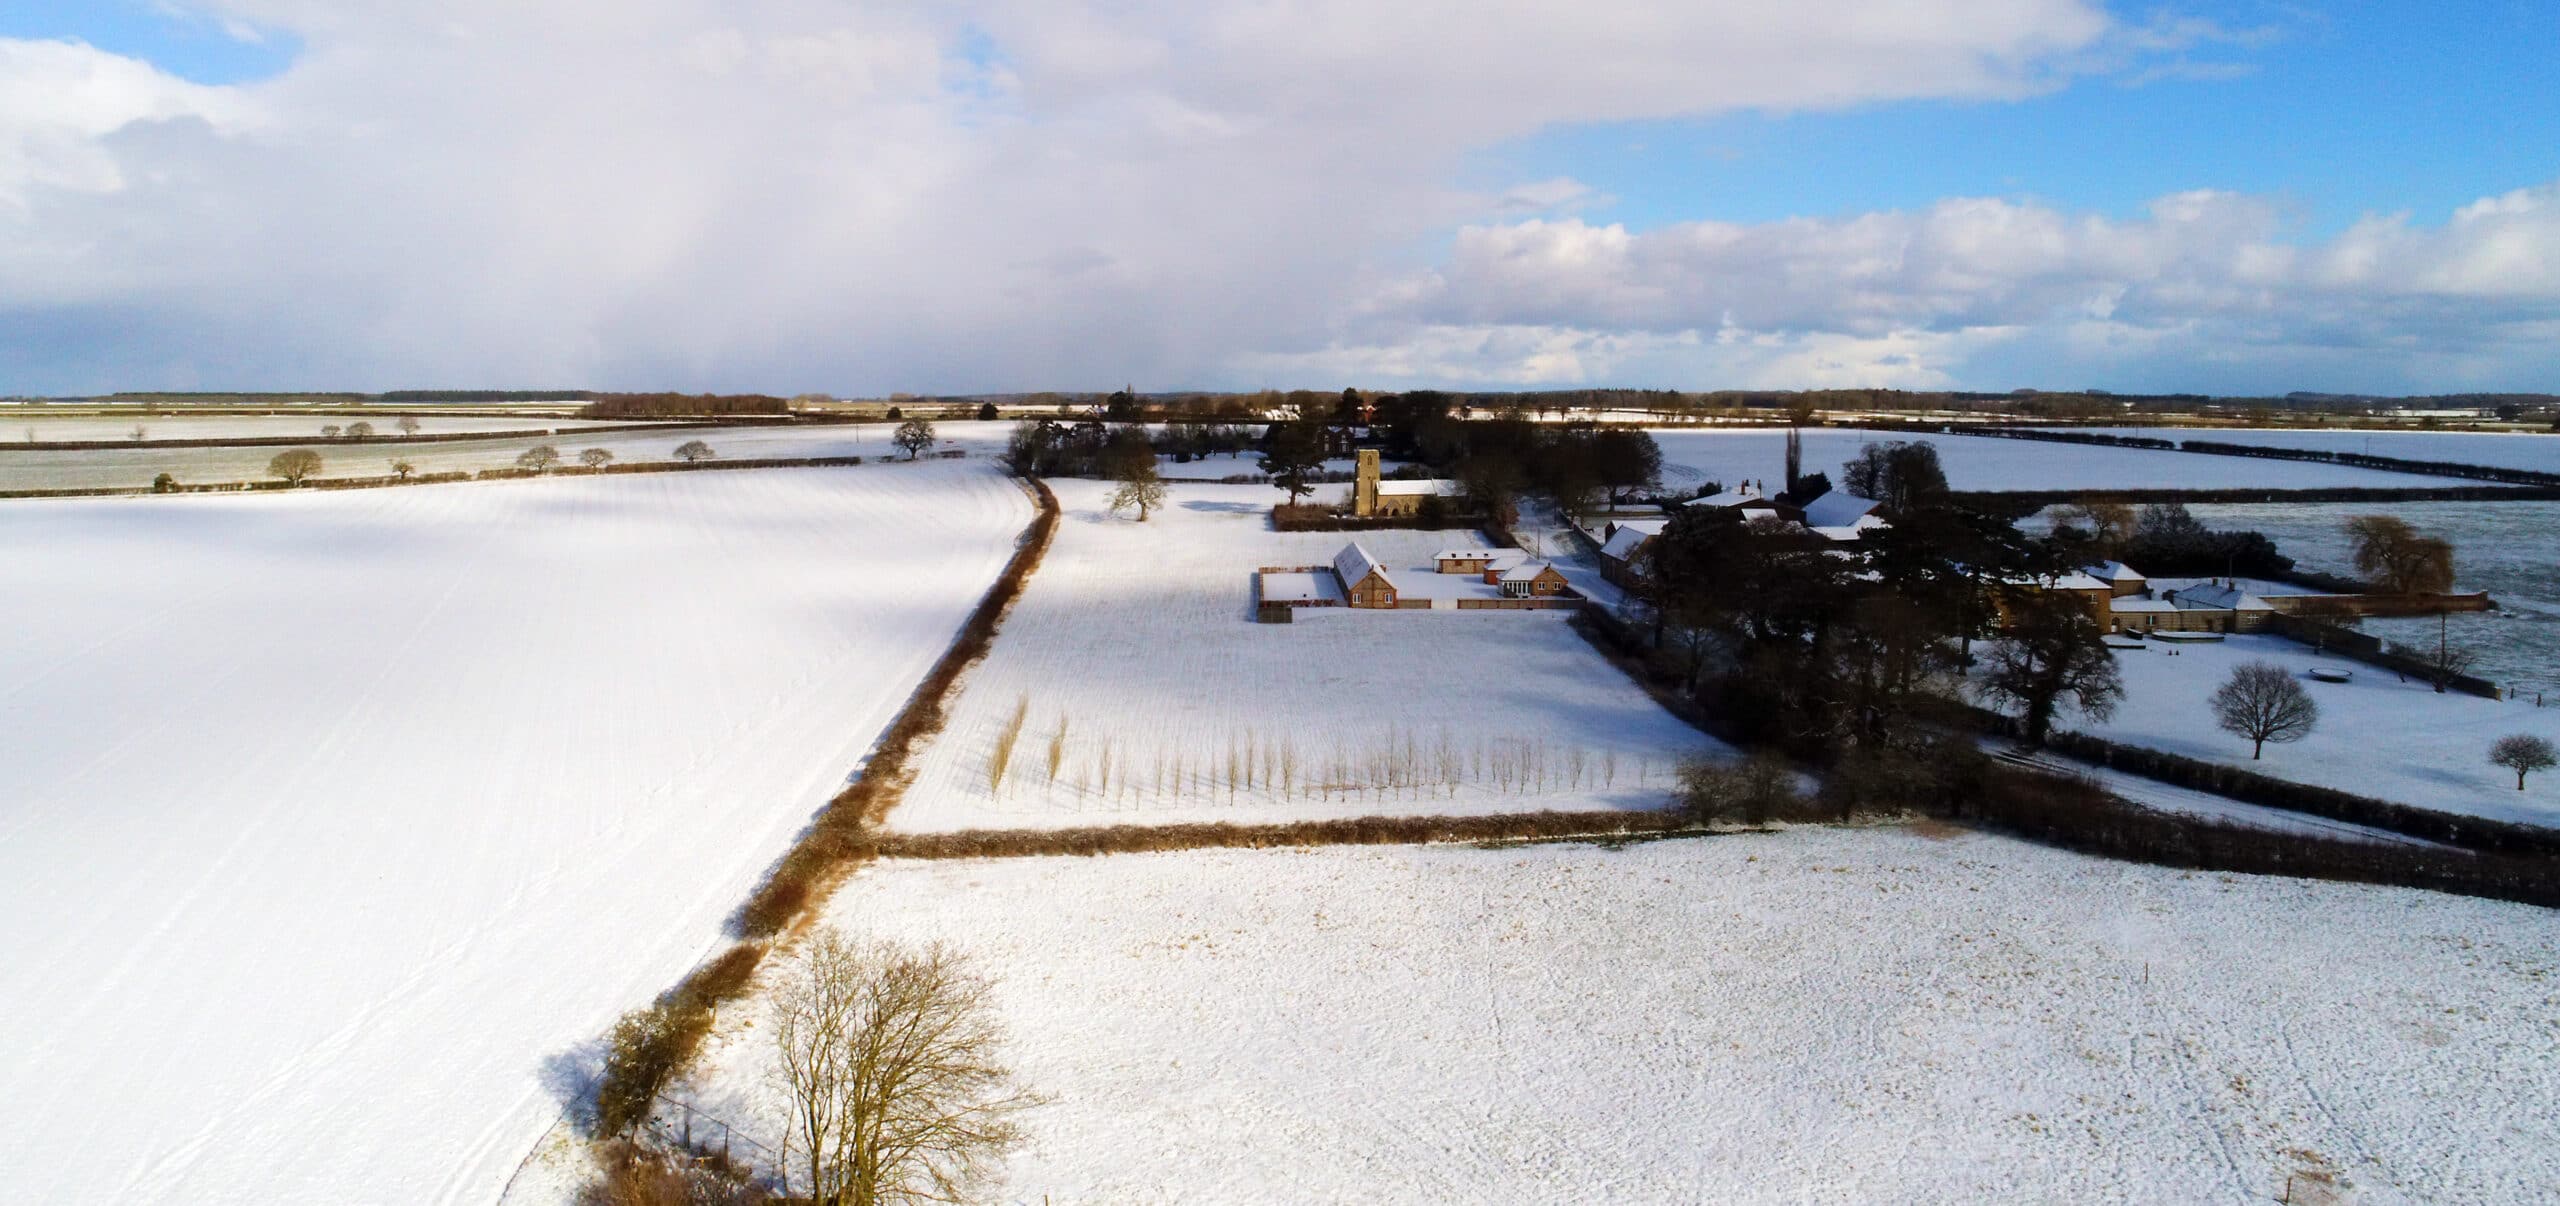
(1138, 642)
(36, 470)
(1818, 1015)
(330, 818)
(2506, 450)
(2377, 736)
(15, 428)
(1690, 456)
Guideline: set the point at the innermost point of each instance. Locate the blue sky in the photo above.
(188, 46)
(2340, 107)
(955, 195)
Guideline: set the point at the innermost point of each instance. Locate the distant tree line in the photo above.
(683, 406)
(480, 395)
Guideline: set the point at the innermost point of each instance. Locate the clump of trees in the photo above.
(2524, 754)
(2166, 540)
(294, 466)
(408, 425)
(1903, 475)
(401, 468)
(166, 483)
(596, 458)
(360, 430)
(538, 458)
(694, 452)
(890, 1061)
(2262, 702)
(2397, 559)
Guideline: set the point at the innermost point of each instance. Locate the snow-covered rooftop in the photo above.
(1624, 544)
(1837, 509)
(1296, 587)
(1354, 563)
(2116, 571)
(1526, 571)
(2219, 598)
(1438, 486)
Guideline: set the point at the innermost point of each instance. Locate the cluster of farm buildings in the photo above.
(1456, 580)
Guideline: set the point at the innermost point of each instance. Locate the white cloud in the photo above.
(811, 194)
(61, 101)
(1913, 298)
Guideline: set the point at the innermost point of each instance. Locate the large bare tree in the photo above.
(2398, 559)
(2260, 703)
(890, 1060)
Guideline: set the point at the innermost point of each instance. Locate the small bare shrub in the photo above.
(1002, 759)
(1057, 749)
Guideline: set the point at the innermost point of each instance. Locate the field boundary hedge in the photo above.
(2086, 819)
(449, 478)
(378, 439)
(2251, 787)
(1097, 840)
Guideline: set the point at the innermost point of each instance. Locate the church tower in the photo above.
(1364, 489)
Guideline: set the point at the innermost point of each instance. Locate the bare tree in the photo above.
(139, 433)
(2443, 663)
(889, 1059)
(915, 436)
(538, 458)
(331, 432)
(2524, 754)
(295, 465)
(1140, 488)
(2260, 703)
(408, 425)
(596, 458)
(401, 468)
(693, 452)
(359, 430)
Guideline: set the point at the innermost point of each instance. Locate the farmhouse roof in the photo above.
(1527, 571)
(2129, 605)
(1354, 563)
(2213, 597)
(1744, 495)
(2072, 581)
(2116, 571)
(1837, 509)
(1624, 545)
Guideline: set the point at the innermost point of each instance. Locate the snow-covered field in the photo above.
(329, 819)
(1819, 1015)
(2506, 450)
(1690, 456)
(1137, 643)
(2377, 736)
(21, 469)
(16, 428)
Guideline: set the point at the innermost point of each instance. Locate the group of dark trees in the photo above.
(1852, 654)
(1047, 447)
(2165, 541)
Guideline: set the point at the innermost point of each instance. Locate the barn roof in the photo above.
(1354, 563)
(2210, 597)
(1528, 571)
(2116, 571)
